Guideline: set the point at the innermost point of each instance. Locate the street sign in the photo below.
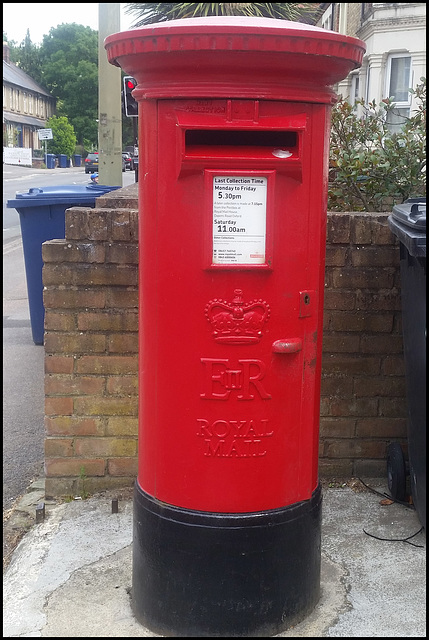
(45, 134)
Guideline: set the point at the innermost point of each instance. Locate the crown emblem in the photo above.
(237, 322)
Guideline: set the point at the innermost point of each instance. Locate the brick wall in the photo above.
(363, 404)
(354, 10)
(91, 344)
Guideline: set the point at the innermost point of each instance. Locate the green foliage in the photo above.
(82, 476)
(64, 137)
(150, 12)
(28, 58)
(67, 65)
(69, 59)
(371, 167)
(13, 48)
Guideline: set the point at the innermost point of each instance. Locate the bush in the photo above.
(371, 167)
(80, 150)
(64, 138)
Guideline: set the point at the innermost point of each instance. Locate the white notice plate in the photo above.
(239, 219)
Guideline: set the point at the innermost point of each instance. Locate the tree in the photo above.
(13, 48)
(372, 168)
(150, 12)
(28, 58)
(64, 137)
(69, 61)
(67, 65)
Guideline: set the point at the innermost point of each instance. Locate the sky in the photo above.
(40, 18)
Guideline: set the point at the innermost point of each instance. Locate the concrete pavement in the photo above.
(70, 575)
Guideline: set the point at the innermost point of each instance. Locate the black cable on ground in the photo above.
(407, 540)
(386, 495)
(404, 504)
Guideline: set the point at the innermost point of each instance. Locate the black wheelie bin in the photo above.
(408, 223)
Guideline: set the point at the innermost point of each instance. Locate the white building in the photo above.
(26, 106)
(395, 59)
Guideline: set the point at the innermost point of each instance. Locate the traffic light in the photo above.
(130, 104)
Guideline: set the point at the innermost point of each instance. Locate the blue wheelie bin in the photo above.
(42, 217)
(62, 161)
(77, 160)
(408, 222)
(50, 160)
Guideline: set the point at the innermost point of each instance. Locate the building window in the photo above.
(398, 84)
(399, 78)
(327, 18)
(354, 91)
(368, 78)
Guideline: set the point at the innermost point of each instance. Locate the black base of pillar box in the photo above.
(197, 573)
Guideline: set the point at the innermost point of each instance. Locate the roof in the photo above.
(27, 120)
(16, 76)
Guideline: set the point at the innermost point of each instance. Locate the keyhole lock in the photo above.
(305, 303)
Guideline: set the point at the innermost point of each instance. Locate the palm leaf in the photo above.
(150, 12)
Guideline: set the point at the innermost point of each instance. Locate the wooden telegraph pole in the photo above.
(109, 101)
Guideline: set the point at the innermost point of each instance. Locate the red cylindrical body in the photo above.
(229, 423)
(233, 146)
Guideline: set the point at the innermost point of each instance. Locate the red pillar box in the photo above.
(234, 132)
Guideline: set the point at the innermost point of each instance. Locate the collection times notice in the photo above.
(239, 219)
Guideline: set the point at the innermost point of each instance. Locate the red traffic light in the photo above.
(130, 106)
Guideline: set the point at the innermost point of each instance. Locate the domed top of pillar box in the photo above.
(235, 57)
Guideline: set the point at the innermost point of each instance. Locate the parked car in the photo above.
(91, 162)
(127, 161)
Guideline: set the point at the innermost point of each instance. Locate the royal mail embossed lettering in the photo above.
(236, 428)
(236, 449)
(234, 438)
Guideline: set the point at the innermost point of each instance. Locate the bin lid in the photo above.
(74, 194)
(413, 239)
(411, 213)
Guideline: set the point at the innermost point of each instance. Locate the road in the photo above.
(23, 361)
(23, 178)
